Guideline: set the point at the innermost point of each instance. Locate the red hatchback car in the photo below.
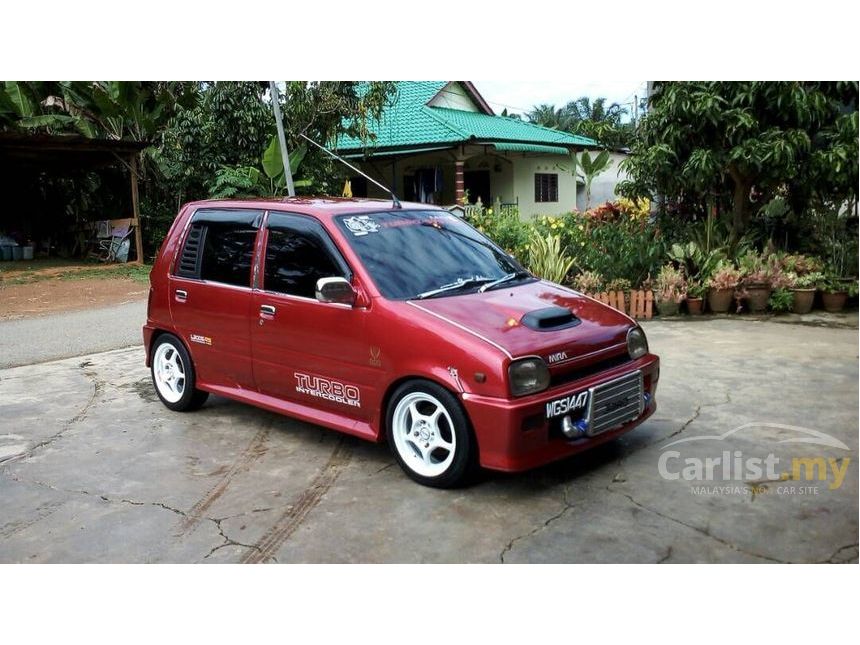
(390, 321)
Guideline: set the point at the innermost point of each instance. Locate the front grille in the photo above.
(594, 368)
(615, 402)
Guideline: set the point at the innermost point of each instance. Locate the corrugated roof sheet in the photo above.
(409, 122)
(531, 147)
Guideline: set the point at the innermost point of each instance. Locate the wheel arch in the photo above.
(449, 384)
(158, 333)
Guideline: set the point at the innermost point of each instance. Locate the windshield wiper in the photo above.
(459, 284)
(503, 279)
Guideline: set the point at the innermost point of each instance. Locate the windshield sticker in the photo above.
(434, 220)
(360, 225)
(324, 388)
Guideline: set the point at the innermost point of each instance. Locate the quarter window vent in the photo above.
(189, 261)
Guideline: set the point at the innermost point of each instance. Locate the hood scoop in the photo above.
(550, 319)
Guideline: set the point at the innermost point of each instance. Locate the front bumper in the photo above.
(514, 435)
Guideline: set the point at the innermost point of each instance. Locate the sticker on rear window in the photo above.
(360, 225)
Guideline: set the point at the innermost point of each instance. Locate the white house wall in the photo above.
(512, 179)
(525, 169)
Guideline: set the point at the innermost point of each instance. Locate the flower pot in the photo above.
(695, 306)
(719, 300)
(803, 299)
(757, 295)
(834, 302)
(667, 307)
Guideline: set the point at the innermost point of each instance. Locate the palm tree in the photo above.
(548, 116)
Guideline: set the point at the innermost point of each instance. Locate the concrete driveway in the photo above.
(94, 469)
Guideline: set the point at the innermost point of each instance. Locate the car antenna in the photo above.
(350, 166)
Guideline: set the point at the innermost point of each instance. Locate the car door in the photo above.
(305, 351)
(210, 294)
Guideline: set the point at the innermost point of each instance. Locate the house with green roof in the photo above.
(440, 142)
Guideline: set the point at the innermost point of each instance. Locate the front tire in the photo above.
(429, 434)
(173, 375)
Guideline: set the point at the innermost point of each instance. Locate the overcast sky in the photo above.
(521, 96)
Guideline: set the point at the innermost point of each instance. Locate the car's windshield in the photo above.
(425, 254)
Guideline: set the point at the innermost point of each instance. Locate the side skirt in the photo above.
(296, 410)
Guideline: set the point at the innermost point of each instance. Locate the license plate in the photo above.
(573, 404)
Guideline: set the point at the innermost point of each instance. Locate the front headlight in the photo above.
(637, 344)
(528, 375)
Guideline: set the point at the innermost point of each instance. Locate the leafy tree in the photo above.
(208, 137)
(133, 110)
(593, 119)
(748, 142)
(549, 116)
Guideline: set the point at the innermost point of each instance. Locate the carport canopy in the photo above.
(69, 151)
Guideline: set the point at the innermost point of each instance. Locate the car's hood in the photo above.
(497, 316)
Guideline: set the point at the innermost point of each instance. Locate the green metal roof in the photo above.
(526, 147)
(409, 122)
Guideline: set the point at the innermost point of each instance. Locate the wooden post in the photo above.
(459, 188)
(135, 207)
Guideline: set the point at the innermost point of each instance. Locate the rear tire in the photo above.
(430, 435)
(173, 375)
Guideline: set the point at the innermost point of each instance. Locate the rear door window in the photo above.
(219, 246)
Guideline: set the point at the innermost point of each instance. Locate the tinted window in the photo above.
(412, 252)
(295, 260)
(227, 251)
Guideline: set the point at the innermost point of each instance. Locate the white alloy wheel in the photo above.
(424, 434)
(169, 372)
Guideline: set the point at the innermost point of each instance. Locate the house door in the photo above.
(477, 182)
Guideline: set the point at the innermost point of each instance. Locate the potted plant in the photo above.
(588, 282)
(721, 288)
(803, 287)
(696, 292)
(756, 281)
(781, 300)
(835, 291)
(671, 288)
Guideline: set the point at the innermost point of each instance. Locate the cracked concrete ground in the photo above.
(94, 469)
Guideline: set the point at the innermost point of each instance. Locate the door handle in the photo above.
(181, 295)
(267, 309)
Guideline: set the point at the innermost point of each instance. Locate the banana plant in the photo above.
(273, 165)
(586, 169)
(250, 181)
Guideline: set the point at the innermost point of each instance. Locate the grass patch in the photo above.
(27, 275)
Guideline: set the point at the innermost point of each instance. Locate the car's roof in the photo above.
(320, 206)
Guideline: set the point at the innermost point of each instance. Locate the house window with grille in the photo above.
(546, 187)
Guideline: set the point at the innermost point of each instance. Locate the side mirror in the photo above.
(336, 290)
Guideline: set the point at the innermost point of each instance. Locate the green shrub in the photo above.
(614, 240)
(546, 258)
(588, 282)
(507, 230)
(781, 300)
